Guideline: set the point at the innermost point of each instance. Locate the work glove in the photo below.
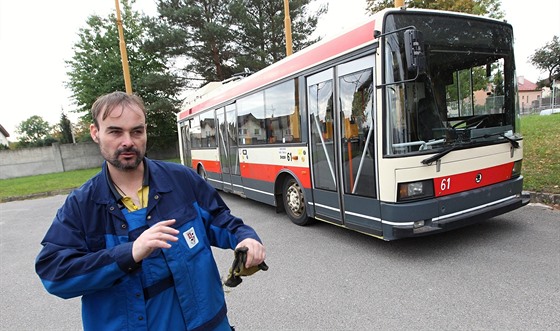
(238, 268)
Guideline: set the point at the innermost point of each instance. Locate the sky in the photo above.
(37, 36)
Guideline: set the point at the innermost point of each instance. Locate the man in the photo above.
(135, 240)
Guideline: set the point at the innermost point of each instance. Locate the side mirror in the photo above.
(414, 51)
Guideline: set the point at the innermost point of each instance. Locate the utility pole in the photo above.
(124, 56)
(288, 28)
(553, 87)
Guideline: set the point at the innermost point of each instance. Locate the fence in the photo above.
(59, 158)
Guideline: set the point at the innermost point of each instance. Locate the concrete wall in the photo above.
(50, 159)
(59, 158)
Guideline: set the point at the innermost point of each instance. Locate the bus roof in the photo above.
(316, 53)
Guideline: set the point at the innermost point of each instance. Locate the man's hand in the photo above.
(256, 252)
(155, 237)
(240, 262)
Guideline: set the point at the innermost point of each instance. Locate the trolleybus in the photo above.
(405, 125)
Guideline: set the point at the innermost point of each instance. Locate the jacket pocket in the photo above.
(192, 239)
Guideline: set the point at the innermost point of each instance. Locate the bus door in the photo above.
(355, 102)
(186, 152)
(326, 198)
(341, 108)
(229, 155)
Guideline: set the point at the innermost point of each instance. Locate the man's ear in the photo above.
(93, 131)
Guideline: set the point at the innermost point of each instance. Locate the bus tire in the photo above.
(202, 173)
(294, 202)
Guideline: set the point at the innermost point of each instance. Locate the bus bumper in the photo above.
(459, 218)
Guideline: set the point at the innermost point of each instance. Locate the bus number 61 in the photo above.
(445, 184)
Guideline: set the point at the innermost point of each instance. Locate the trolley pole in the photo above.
(288, 28)
(124, 56)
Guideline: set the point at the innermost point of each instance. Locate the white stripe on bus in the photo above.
(474, 208)
(240, 186)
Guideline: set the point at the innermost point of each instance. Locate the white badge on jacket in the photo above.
(190, 237)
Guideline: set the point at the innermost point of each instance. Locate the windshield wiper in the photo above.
(512, 141)
(439, 155)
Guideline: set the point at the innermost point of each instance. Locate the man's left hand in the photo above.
(256, 252)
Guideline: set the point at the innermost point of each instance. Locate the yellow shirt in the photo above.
(142, 197)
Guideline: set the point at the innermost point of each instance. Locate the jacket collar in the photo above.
(116, 193)
(155, 176)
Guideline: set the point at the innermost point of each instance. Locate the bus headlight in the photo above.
(415, 190)
(516, 171)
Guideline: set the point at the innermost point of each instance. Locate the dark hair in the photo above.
(105, 104)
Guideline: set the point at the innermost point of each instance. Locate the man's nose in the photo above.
(127, 139)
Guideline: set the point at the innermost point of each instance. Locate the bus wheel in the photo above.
(294, 202)
(202, 173)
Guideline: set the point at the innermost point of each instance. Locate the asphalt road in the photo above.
(502, 274)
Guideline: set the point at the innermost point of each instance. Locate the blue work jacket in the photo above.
(87, 252)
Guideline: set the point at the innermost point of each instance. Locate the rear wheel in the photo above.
(294, 202)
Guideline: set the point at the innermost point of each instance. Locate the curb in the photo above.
(550, 199)
(37, 195)
(546, 198)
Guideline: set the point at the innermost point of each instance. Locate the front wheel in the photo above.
(202, 173)
(294, 202)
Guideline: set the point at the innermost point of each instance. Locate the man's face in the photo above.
(121, 137)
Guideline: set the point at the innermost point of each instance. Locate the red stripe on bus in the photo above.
(292, 64)
(269, 172)
(473, 179)
(209, 166)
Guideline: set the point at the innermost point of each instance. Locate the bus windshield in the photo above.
(462, 91)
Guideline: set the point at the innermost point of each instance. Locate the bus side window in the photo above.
(281, 112)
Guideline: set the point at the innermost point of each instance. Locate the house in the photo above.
(4, 136)
(529, 93)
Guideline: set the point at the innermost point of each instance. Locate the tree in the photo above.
(64, 130)
(34, 132)
(490, 8)
(260, 34)
(547, 58)
(96, 69)
(81, 131)
(220, 38)
(199, 29)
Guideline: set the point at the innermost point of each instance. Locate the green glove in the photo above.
(238, 268)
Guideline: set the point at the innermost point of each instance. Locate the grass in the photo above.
(541, 164)
(30, 185)
(541, 154)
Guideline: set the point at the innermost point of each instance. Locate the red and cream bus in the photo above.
(405, 125)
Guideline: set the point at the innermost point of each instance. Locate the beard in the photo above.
(130, 163)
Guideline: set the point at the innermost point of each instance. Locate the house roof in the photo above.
(4, 132)
(526, 85)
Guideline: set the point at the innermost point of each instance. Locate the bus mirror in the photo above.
(414, 51)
